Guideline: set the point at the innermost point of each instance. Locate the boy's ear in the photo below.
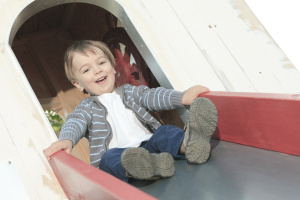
(76, 84)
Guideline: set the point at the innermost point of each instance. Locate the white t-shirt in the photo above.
(127, 130)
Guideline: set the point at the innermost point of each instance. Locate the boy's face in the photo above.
(93, 72)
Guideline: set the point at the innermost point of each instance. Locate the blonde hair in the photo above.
(84, 46)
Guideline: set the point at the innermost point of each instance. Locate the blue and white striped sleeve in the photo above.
(155, 99)
(76, 124)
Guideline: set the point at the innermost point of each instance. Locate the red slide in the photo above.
(266, 121)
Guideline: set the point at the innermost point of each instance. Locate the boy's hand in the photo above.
(65, 145)
(192, 93)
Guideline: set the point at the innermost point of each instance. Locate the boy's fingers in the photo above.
(46, 154)
(53, 148)
(68, 151)
(65, 145)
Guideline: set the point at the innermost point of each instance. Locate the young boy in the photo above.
(125, 140)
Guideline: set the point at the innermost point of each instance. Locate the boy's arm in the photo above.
(160, 98)
(76, 123)
(154, 99)
(72, 131)
(192, 93)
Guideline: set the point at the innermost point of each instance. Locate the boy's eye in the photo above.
(86, 70)
(101, 63)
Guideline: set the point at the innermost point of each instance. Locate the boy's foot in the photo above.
(140, 164)
(203, 118)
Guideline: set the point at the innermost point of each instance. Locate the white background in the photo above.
(281, 18)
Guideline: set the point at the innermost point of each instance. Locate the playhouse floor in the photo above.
(234, 172)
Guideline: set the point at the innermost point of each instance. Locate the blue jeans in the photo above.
(166, 139)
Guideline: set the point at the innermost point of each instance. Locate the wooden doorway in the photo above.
(39, 45)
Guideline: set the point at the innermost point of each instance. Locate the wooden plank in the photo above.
(28, 129)
(170, 43)
(267, 121)
(10, 153)
(203, 31)
(248, 61)
(265, 64)
(82, 181)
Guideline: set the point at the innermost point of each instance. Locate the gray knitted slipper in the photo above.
(140, 164)
(203, 118)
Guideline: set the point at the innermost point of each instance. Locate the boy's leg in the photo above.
(167, 138)
(111, 163)
(203, 118)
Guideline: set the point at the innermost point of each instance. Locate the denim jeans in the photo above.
(166, 139)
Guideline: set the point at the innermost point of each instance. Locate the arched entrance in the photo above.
(40, 41)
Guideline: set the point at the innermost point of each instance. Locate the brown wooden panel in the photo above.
(91, 20)
(50, 103)
(32, 72)
(43, 20)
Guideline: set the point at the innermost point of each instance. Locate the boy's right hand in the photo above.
(65, 145)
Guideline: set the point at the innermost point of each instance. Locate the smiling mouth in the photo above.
(101, 79)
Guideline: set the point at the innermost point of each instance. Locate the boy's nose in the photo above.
(97, 69)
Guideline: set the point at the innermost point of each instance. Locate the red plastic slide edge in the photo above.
(82, 181)
(267, 121)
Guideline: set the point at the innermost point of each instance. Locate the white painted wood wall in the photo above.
(216, 43)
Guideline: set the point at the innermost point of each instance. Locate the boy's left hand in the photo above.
(192, 93)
